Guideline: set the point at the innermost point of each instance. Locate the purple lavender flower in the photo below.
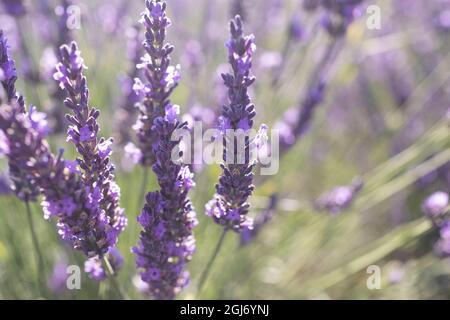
(160, 78)
(166, 243)
(8, 74)
(49, 59)
(14, 7)
(27, 151)
(296, 31)
(340, 198)
(94, 268)
(57, 282)
(296, 122)
(126, 114)
(229, 207)
(106, 219)
(339, 15)
(436, 204)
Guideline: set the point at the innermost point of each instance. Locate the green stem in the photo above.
(113, 279)
(37, 250)
(207, 270)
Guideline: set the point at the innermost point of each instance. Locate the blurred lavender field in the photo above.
(359, 92)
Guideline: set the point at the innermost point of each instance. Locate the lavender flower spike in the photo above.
(160, 78)
(166, 243)
(229, 207)
(26, 148)
(8, 75)
(97, 172)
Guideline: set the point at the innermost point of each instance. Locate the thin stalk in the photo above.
(112, 278)
(207, 270)
(37, 249)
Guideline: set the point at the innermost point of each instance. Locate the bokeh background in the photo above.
(383, 119)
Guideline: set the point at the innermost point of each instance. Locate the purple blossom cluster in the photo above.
(436, 207)
(166, 243)
(339, 15)
(229, 207)
(22, 140)
(340, 198)
(8, 75)
(296, 122)
(160, 78)
(126, 114)
(94, 221)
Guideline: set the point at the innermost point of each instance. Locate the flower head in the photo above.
(166, 242)
(340, 198)
(8, 74)
(436, 204)
(229, 207)
(99, 201)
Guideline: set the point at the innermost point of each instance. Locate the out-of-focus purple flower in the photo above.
(270, 60)
(27, 150)
(436, 204)
(50, 57)
(339, 15)
(133, 152)
(125, 116)
(94, 267)
(106, 218)
(340, 198)
(396, 272)
(442, 246)
(9, 75)
(166, 243)
(229, 207)
(296, 31)
(5, 185)
(247, 235)
(57, 282)
(296, 122)
(15, 8)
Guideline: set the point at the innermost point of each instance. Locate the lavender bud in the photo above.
(436, 204)
(340, 198)
(126, 114)
(94, 268)
(340, 14)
